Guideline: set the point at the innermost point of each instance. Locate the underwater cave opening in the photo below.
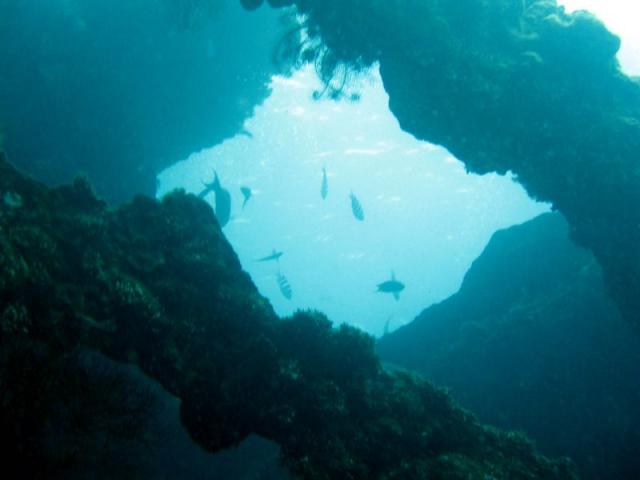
(425, 218)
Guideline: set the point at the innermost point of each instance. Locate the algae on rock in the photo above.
(156, 284)
(508, 85)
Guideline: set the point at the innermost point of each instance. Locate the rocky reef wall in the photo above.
(507, 85)
(122, 93)
(533, 342)
(157, 285)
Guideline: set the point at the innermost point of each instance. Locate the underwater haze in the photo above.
(320, 239)
(425, 218)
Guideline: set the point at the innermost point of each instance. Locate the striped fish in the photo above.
(285, 288)
(356, 207)
(324, 187)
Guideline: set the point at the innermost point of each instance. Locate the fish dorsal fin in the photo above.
(393, 275)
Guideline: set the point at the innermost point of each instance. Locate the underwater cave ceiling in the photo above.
(505, 85)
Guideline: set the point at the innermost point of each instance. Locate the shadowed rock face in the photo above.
(122, 93)
(156, 284)
(532, 342)
(509, 85)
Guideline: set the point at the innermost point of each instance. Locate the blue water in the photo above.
(342, 200)
(426, 219)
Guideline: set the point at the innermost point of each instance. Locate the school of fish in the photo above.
(222, 211)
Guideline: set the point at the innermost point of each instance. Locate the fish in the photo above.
(392, 286)
(246, 133)
(273, 256)
(324, 187)
(387, 326)
(246, 193)
(285, 287)
(356, 207)
(208, 188)
(223, 199)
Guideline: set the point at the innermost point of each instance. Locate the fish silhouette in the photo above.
(273, 256)
(285, 287)
(223, 199)
(324, 187)
(246, 193)
(387, 326)
(393, 286)
(356, 207)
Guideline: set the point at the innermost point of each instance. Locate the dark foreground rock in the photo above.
(157, 285)
(533, 342)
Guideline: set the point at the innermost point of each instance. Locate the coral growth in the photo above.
(156, 284)
(508, 85)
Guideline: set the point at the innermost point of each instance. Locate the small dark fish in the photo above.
(246, 193)
(324, 187)
(392, 286)
(285, 287)
(356, 207)
(208, 188)
(274, 256)
(223, 199)
(246, 133)
(387, 327)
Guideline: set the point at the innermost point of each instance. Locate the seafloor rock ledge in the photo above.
(531, 317)
(156, 284)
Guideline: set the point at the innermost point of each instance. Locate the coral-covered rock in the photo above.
(533, 342)
(508, 85)
(156, 284)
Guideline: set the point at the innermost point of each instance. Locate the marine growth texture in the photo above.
(156, 284)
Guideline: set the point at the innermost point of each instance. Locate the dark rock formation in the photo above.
(533, 342)
(156, 284)
(122, 93)
(508, 85)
